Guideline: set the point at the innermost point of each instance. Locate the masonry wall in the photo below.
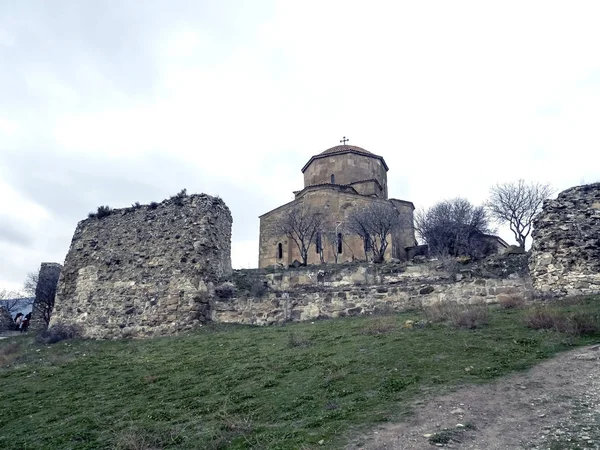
(6, 321)
(45, 295)
(336, 206)
(145, 270)
(347, 167)
(565, 257)
(311, 293)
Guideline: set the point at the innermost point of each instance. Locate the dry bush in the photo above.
(136, 439)
(511, 301)
(461, 316)
(259, 289)
(578, 324)
(470, 317)
(57, 333)
(8, 353)
(440, 312)
(225, 291)
(544, 319)
(380, 325)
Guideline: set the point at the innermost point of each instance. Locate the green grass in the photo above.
(280, 387)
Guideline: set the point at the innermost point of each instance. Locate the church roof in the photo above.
(341, 149)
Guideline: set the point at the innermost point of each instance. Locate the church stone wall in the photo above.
(145, 270)
(347, 168)
(565, 257)
(337, 205)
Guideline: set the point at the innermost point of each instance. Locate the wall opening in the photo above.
(339, 243)
(279, 251)
(332, 179)
(318, 243)
(367, 242)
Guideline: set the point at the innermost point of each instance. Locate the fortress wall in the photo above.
(565, 256)
(346, 290)
(145, 270)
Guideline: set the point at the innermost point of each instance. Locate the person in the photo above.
(25, 323)
(18, 320)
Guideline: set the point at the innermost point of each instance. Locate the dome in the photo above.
(345, 148)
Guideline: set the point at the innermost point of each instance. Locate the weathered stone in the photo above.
(163, 257)
(426, 290)
(565, 257)
(6, 320)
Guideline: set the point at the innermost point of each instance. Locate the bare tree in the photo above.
(11, 301)
(454, 227)
(335, 241)
(374, 223)
(301, 224)
(44, 291)
(517, 204)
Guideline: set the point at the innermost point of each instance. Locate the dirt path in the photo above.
(555, 405)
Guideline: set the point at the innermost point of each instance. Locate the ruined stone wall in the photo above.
(6, 320)
(45, 295)
(145, 270)
(565, 257)
(336, 291)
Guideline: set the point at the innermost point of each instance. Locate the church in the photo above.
(336, 182)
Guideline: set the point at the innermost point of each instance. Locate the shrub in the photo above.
(103, 211)
(258, 289)
(439, 312)
(8, 352)
(225, 290)
(178, 198)
(57, 333)
(153, 205)
(510, 301)
(544, 319)
(380, 325)
(470, 317)
(581, 324)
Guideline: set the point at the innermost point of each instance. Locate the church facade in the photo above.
(336, 182)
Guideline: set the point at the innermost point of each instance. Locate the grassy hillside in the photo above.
(304, 385)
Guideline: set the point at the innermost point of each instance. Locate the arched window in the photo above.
(339, 242)
(318, 243)
(332, 179)
(279, 251)
(367, 242)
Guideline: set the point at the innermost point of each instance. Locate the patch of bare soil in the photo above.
(555, 405)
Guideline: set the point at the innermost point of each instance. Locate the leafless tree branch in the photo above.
(453, 227)
(517, 204)
(300, 224)
(374, 223)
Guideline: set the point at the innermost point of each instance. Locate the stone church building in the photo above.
(336, 182)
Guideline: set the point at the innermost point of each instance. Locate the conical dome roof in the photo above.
(345, 148)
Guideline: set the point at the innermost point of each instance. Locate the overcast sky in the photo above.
(112, 102)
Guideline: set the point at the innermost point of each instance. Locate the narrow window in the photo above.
(318, 243)
(332, 179)
(367, 242)
(339, 242)
(279, 251)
